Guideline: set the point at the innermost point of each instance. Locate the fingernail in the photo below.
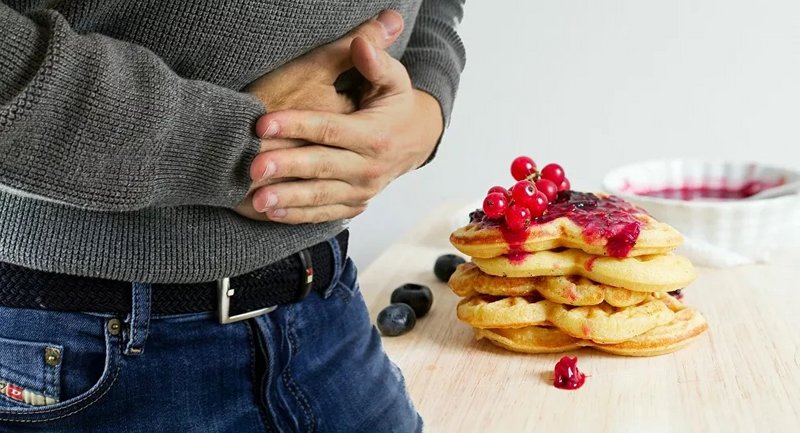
(265, 205)
(269, 169)
(272, 129)
(390, 23)
(272, 199)
(279, 213)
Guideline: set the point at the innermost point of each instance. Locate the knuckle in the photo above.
(320, 197)
(381, 143)
(324, 169)
(371, 174)
(329, 131)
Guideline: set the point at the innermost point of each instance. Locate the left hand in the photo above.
(356, 155)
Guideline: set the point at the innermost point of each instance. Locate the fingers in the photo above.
(378, 67)
(334, 58)
(308, 193)
(260, 168)
(340, 130)
(315, 214)
(307, 162)
(285, 143)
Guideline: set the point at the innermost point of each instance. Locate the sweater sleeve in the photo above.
(101, 124)
(435, 55)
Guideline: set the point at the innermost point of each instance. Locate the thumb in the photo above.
(378, 67)
(381, 31)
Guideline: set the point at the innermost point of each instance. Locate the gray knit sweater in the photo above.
(125, 139)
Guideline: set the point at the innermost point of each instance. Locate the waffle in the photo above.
(606, 324)
(660, 273)
(484, 311)
(600, 323)
(468, 280)
(682, 330)
(486, 241)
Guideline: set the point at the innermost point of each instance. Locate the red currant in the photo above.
(523, 193)
(522, 167)
(553, 172)
(495, 205)
(539, 204)
(564, 186)
(518, 217)
(501, 190)
(548, 187)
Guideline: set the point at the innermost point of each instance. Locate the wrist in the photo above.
(431, 118)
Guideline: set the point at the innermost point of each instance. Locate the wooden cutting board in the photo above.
(741, 376)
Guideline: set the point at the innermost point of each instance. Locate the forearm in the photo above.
(102, 124)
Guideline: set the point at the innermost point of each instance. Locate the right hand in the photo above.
(307, 83)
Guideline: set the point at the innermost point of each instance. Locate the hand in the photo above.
(307, 82)
(356, 155)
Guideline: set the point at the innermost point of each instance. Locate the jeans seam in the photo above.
(113, 378)
(51, 381)
(257, 387)
(338, 267)
(293, 387)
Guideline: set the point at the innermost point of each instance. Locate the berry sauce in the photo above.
(589, 265)
(515, 241)
(610, 218)
(566, 374)
(717, 191)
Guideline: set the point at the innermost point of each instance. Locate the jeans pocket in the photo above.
(42, 383)
(30, 373)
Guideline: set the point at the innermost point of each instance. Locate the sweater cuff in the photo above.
(427, 72)
(210, 147)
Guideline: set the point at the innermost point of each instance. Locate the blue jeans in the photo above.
(314, 366)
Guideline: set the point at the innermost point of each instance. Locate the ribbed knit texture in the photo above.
(125, 139)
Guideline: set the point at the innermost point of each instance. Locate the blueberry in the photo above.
(396, 319)
(446, 265)
(416, 296)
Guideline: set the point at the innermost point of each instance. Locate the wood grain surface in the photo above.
(743, 375)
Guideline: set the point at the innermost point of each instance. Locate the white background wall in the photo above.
(594, 84)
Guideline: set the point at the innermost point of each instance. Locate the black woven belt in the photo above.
(282, 282)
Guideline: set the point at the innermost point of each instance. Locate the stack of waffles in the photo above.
(597, 272)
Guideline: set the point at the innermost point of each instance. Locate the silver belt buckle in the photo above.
(224, 295)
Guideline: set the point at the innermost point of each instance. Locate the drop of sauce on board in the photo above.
(566, 374)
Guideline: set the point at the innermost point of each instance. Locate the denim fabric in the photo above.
(314, 366)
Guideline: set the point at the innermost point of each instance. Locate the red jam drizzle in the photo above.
(515, 240)
(589, 265)
(566, 374)
(606, 218)
(610, 218)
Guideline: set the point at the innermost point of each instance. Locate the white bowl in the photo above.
(718, 232)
